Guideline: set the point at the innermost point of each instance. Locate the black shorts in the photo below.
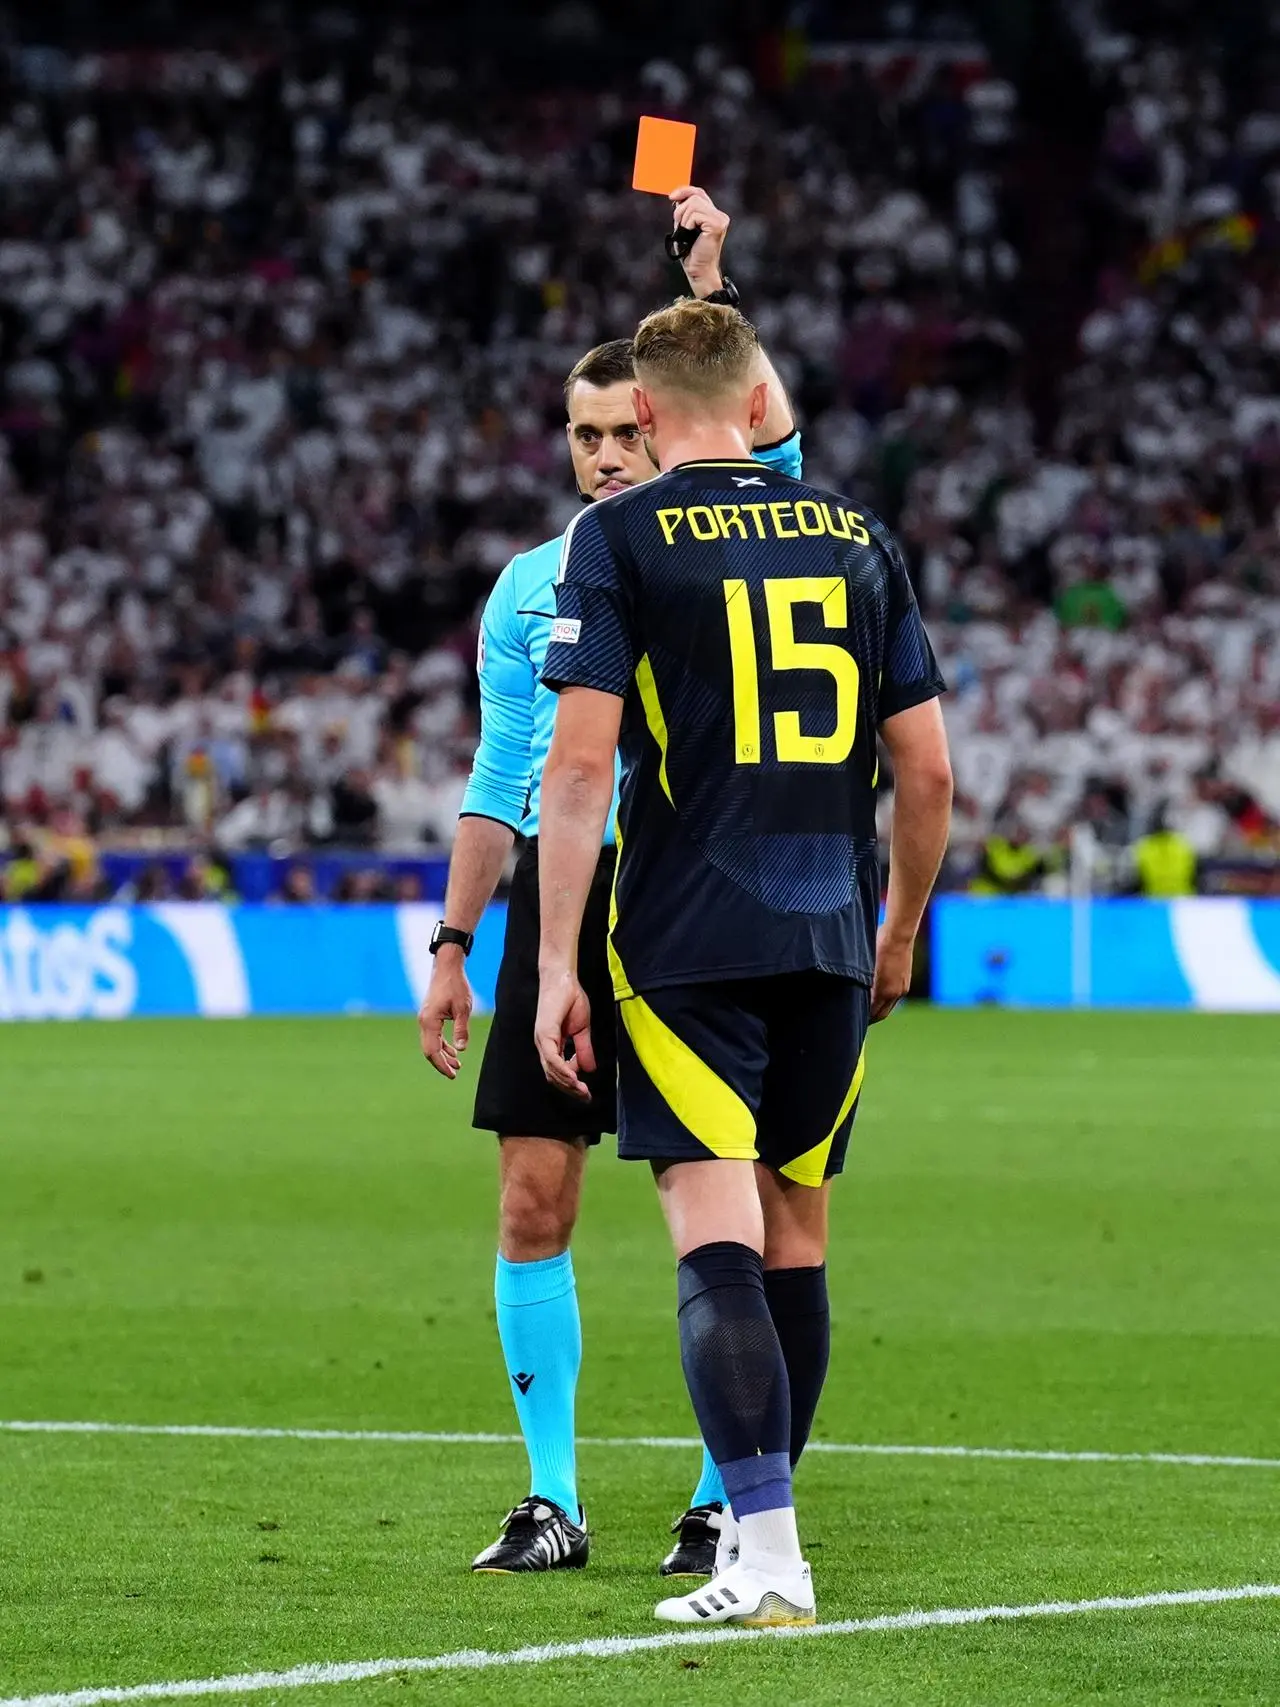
(513, 1097)
(766, 1069)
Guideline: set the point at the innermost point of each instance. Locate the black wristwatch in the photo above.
(727, 294)
(443, 934)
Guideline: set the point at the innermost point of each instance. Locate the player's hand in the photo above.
(448, 1001)
(894, 956)
(694, 208)
(564, 1015)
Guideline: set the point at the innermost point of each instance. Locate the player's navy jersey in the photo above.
(759, 631)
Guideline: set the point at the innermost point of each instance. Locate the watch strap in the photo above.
(727, 295)
(444, 934)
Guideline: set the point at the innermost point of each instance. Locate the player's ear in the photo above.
(644, 413)
(759, 404)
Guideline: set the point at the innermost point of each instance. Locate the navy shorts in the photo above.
(766, 1069)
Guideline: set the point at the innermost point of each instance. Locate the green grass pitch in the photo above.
(1055, 1232)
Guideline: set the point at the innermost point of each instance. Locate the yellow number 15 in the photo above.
(787, 653)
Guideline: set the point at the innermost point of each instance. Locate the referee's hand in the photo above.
(564, 1016)
(694, 208)
(448, 1000)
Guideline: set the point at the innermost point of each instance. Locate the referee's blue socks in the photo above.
(541, 1336)
(710, 1488)
(737, 1379)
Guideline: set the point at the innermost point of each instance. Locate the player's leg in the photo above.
(737, 1379)
(541, 1172)
(795, 1286)
(809, 1100)
(690, 1062)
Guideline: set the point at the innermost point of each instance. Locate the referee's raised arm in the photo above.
(695, 211)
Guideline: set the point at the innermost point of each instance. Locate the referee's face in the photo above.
(608, 449)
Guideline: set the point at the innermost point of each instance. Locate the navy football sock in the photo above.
(736, 1375)
(802, 1315)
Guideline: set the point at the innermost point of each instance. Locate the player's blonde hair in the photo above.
(703, 349)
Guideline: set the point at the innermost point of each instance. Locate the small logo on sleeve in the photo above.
(566, 631)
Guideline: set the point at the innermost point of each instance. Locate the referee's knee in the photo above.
(539, 1208)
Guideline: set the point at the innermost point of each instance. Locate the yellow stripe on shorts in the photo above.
(698, 1097)
(811, 1168)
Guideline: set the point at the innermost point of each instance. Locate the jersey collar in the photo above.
(717, 462)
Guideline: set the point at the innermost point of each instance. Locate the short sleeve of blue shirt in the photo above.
(591, 640)
(501, 769)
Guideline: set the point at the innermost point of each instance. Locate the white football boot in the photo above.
(726, 1542)
(745, 1595)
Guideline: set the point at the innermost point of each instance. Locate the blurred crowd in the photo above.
(283, 338)
(1109, 609)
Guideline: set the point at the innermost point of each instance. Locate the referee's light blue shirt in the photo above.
(517, 714)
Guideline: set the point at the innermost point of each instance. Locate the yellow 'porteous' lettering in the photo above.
(728, 517)
(702, 522)
(777, 511)
(669, 521)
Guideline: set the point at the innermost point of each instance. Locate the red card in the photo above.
(664, 156)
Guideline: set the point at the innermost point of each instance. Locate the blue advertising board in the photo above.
(200, 958)
(1214, 953)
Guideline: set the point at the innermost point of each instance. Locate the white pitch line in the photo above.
(414, 1437)
(617, 1647)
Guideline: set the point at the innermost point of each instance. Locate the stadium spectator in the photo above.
(299, 886)
(1164, 861)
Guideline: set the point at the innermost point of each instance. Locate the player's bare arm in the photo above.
(577, 790)
(695, 210)
(917, 743)
(475, 867)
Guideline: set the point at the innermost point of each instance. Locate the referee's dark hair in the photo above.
(607, 364)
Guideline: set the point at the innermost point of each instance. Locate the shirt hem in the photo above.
(493, 817)
(727, 974)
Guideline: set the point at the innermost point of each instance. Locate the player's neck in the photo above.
(712, 443)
